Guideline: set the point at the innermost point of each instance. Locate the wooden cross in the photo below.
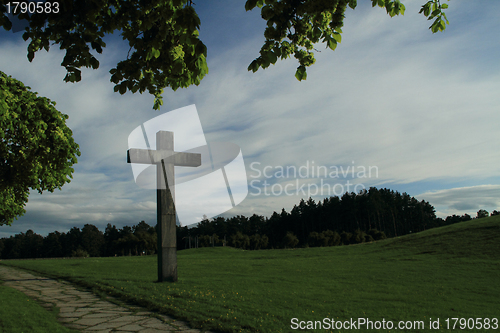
(165, 159)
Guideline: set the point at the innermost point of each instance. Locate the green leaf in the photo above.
(435, 13)
(435, 26)
(254, 66)
(267, 13)
(250, 4)
(122, 88)
(94, 63)
(427, 9)
(337, 37)
(442, 25)
(96, 46)
(158, 102)
(301, 73)
(332, 44)
(271, 57)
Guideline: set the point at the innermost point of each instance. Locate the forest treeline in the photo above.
(353, 218)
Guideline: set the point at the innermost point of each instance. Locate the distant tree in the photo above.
(183, 234)
(482, 213)
(213, 240)
(92, 240)
(494, 213)
(466, 217)
(71, 241)
(111, 236)
(32, 245)
(455, 219)
(36, 147)
(204, 241)
(206, 226)
(264, 242)
(23, 245)
(146, 238)
(128, 244)
(52, 245)
(255, 242)
(11, 248)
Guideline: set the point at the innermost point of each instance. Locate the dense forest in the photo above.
(353, 218)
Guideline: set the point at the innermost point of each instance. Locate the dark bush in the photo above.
(240, 240)
(290, 240)
(346, 238)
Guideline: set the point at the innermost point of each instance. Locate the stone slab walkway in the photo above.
(86, 312)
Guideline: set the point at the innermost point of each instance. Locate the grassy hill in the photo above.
(472, 239)
(447, 272)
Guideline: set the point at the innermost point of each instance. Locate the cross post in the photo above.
(165, 158)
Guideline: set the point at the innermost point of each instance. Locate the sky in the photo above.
(394, 106)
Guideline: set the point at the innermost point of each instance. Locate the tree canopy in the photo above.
(165, 50)
(36, 147)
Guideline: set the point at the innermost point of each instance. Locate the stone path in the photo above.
(86, 312)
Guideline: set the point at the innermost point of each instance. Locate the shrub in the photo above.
(258, 242)
(332, 237)
(79, 253)
(290, 240)
(377, 235)
(345, 237)
(358, 237)
(313, 239)
(240, 240)
(325, 238)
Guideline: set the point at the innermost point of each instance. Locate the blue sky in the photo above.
(421, 108)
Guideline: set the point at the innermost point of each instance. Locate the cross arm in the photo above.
(149, 156)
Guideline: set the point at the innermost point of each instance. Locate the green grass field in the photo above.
(21, 314)
(448, 272)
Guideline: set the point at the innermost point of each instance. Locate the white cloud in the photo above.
(463, 200)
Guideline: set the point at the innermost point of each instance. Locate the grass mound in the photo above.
(476, 238)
